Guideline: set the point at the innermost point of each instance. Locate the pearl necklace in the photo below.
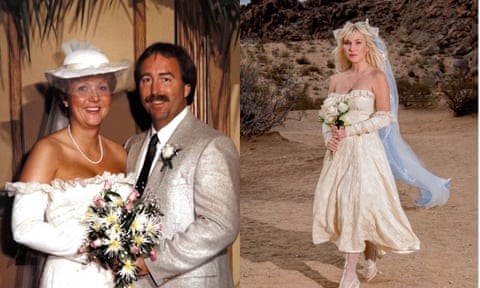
(80, 150)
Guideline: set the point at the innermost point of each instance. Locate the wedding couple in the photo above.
(198, 193)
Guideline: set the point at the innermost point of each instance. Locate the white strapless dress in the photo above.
(50, 218)
(356, 198)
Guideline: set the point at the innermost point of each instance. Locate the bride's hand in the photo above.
(82, 250)
(332, 145)
(338, 133)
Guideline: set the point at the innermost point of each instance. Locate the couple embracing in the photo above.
(196, 186)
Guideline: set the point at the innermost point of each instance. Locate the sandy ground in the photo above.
(279, 172)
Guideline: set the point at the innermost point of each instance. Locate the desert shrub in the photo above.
(416, 94)
(310, 70)
(279, 72)
(441, 65)
(262, 58)
(275, 52)
(330, 64)
(462, 93)
(250, 54)
(259, 47)
(304, 102)
(303, 61)
(403, 52)
(264, 103)
(285, 54)
(297, 48)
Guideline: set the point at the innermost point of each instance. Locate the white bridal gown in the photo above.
(356, 198)
(50, 218)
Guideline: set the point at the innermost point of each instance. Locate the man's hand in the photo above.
(140, 263)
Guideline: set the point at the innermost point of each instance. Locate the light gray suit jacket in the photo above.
(199, 198)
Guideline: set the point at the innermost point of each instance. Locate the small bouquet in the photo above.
(119, 231)
(334, 113)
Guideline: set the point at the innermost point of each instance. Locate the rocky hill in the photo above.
(447, 27)
(288, 44)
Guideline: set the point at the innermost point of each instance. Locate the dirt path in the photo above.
(279, 172)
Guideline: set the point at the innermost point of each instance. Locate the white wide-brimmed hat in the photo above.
(83, 59)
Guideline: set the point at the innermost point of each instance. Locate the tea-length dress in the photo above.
(50, 218)
(356, 198)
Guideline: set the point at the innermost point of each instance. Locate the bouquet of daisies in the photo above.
(121, 230)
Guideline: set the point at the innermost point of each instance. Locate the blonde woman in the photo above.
(356, 204)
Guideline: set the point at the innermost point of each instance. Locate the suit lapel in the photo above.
(179, 137)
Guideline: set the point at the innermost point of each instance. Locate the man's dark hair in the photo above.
(187, 67)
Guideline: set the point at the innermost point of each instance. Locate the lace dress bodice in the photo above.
(361, 103)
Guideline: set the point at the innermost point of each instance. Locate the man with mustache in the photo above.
(194, 177)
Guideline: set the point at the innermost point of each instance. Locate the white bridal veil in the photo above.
(405, 165)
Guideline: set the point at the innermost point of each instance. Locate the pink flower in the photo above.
(133, 195)
(96, 243)
(159, 226)
(134, 250)
(153, 255)
(100, 203)
(129, 206)
(107, 184)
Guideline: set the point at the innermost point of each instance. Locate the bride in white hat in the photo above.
(66, 170)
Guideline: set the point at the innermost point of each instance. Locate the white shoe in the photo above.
(370, 270)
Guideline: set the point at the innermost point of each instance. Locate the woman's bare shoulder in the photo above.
(50, 144)
(43, 159)
(378, 74)
(337, 76)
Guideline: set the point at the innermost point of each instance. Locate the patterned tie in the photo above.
(147, 164)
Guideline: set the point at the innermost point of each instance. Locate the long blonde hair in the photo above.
(373, 57)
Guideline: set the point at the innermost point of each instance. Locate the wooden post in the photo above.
(139, 37)
(220, 91)
(190, 34)
(15, 84)
(139, 30)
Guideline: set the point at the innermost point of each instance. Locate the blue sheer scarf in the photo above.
(405, 165)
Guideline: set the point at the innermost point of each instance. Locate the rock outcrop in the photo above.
(433, 26)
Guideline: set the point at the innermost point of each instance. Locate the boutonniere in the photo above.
(167, 153)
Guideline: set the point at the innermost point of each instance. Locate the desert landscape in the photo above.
(279, 172)
(280, 168)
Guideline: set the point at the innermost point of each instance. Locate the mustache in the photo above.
(156, 97)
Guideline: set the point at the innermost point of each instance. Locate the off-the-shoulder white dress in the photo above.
(356, 198)
(50, 218)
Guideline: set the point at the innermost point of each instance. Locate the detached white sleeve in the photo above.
(30, 228)
(378, 120)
